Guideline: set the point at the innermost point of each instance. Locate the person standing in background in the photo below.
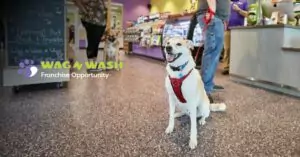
(70, 51)
(71, 32)
(93, 17)
(211, 16)
(237, 18)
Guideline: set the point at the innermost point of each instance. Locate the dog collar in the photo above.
(176, 84)
(179, 68)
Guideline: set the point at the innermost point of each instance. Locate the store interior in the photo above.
(127, 113)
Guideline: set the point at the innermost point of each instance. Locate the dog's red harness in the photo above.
(176, 85)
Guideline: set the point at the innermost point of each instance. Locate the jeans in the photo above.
(226, 58)
(213, 44)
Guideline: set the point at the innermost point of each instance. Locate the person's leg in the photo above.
(226, 52)
(193, 24)
(98, 32)
(222, 55)
(213, 44)
(89, 38)
(190, 35)
(72, 37)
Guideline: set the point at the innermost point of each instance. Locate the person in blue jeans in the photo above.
(211, 16)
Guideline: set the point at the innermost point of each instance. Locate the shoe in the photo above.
(218, 87)
(92, 59)
(71, 62)
(225, 72)
(210, 98)
(95, 70)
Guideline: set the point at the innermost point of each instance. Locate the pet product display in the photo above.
(146, 34)
(180, 29)
(132, 38)
(132, 34)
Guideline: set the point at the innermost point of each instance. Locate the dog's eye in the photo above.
(179, 44)
(168, 43)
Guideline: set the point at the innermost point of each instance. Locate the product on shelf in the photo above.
(132, 34)
(132, 30)
(132, 38)
(147, 34)
(158, 28)
(180, 29)
(145, 41)
(129, 23)
(156, 40)
(165, 15)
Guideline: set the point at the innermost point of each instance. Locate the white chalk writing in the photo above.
(36, 31)
(37, 37)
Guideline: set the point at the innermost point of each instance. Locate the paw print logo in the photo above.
(27, 68)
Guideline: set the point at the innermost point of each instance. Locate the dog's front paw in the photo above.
(193, 143)
(202, 122)
(169, 129)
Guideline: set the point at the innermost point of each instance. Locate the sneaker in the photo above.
(225, 72)
(218, 87)
(95, 70)
(92, 70)
(210, 98)
(198, 67)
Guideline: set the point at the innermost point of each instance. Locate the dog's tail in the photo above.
(215, 107)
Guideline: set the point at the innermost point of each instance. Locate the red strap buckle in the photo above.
(208, 18)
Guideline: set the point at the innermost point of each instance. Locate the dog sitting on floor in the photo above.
(112, 47)
(185, 87)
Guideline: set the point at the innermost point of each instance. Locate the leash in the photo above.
(197, 54)
(207, 18)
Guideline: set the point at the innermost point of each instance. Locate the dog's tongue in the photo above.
(170, 58)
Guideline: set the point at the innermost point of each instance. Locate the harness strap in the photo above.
(176, 84)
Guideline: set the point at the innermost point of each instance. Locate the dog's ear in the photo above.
(190, 44)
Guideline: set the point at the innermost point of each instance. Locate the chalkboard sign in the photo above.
(35, 30)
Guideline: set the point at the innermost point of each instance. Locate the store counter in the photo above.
(267, 57)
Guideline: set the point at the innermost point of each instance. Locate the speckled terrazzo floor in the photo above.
(126, 115)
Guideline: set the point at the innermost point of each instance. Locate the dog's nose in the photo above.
(169, 49)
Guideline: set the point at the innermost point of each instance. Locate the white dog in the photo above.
(185, 87)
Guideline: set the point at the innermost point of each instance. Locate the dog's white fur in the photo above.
(111, 49)
(192, 88)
